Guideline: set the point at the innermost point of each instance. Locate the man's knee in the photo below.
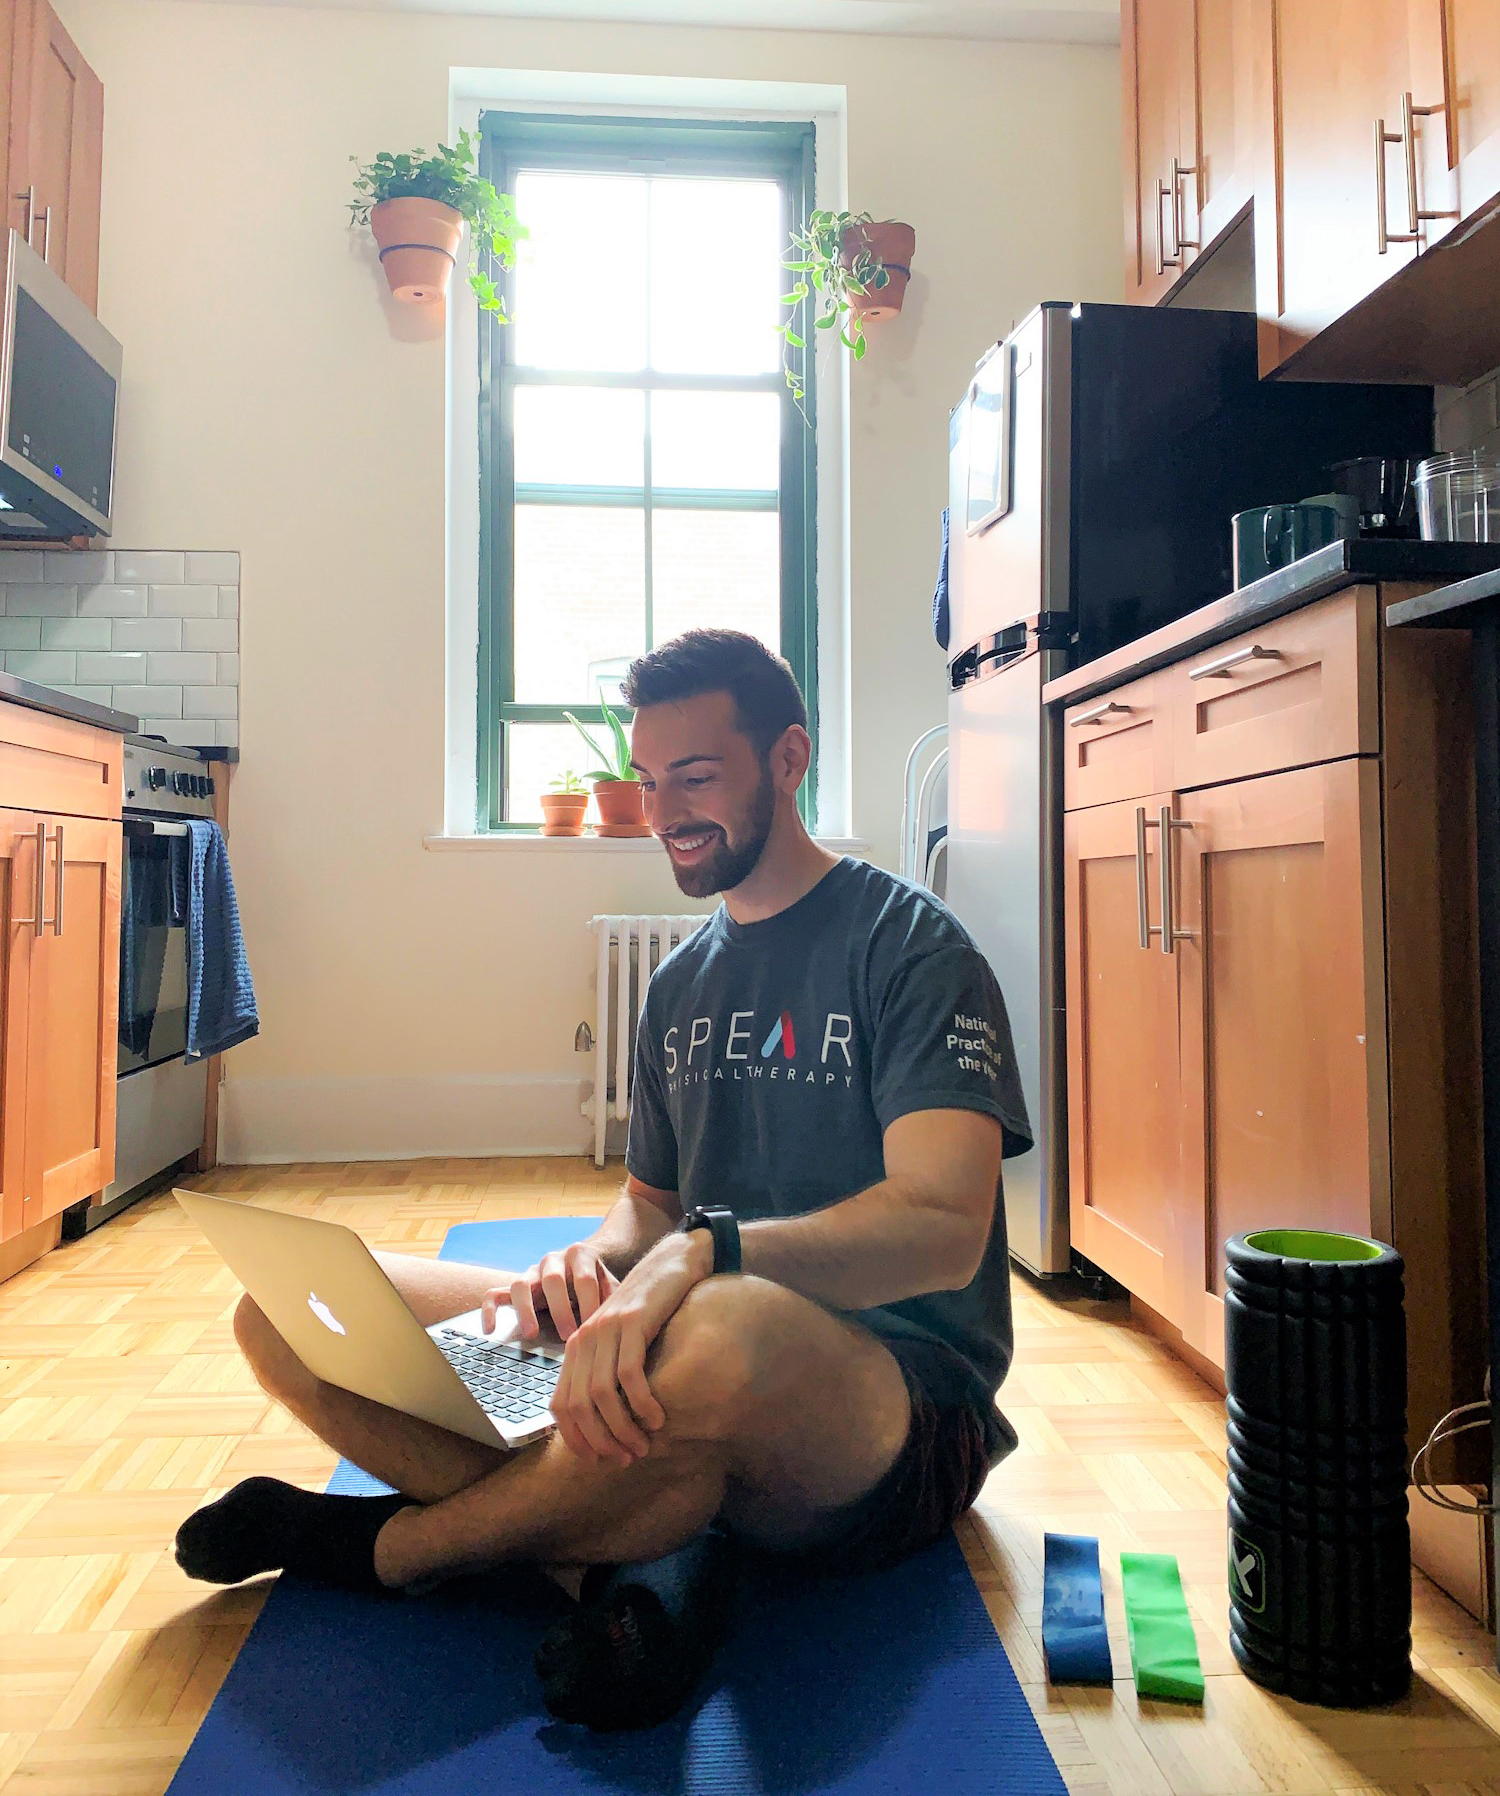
(274, 1364)
(717, 1357)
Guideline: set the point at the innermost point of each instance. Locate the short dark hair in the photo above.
(766, 697)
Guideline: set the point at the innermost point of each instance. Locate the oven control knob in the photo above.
(208, 785)
(179, 783)
(156, 778)
(200, 785)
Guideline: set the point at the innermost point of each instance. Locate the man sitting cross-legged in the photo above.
(828, 1061)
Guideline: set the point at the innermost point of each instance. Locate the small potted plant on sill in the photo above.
(617, 787)
(417, 205)
(858, 269)
(563, 807)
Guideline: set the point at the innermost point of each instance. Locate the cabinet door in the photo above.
(1471, 46)
(64, 146)
(1280, 982)
(18, 865)
(1339, 66)
(1222, 157)
(1122, 1046)
(1156, 61)
(72, 1023)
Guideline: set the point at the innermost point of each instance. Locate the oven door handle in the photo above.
(144, 827)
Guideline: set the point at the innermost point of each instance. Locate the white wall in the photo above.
(274, 403)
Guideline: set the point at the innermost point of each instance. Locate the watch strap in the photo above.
(723, 1228)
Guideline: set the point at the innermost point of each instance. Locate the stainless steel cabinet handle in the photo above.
(1097, 715)
(30, 198)
(35, 922)
(1385, 238)
(1178, 171)
(1170, 934)
(1143, 923)
(1414, 215)
(46, 233)
(1211, 669)
(1163, 260)
(57, 914)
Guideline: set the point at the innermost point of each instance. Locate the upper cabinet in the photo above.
(1188, 144)
(54, 143)
(1365, 131)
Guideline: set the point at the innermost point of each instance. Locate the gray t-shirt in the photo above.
(772, 1056)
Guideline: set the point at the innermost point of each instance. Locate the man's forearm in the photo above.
(877, 1247)
(631, 1227)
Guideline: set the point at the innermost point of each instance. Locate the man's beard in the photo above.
(738, 852)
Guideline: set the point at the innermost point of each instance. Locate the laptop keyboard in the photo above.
(508, 1382)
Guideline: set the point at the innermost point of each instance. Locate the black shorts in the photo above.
(950, 1448)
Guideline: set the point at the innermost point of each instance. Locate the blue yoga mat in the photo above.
(893, 1684)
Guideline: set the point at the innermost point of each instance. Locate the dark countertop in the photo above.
(1314, 577)
(60, 704)
(1448, 607)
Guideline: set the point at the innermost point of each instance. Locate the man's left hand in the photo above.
(603, 1405)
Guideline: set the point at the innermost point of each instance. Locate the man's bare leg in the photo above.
(778, 1413)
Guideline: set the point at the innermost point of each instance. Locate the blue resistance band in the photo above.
(1073, 1632)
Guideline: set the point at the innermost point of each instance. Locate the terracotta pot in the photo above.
(620, 811)
(419, 242)
(562, 813)
(895, 245)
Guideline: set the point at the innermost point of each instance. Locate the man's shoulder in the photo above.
(902, 916)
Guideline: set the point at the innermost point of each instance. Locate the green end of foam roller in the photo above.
(1310, 1244)
(1163, 1649)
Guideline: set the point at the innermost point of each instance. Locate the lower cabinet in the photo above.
(59, 995)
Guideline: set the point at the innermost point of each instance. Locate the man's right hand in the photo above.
(563, 1290)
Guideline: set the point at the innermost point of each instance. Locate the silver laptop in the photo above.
(326, 1295)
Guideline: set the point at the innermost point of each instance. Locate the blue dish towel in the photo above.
(940, 591)
(221, 1000)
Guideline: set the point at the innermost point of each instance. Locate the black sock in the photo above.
(641, 1638)
(264, 1525)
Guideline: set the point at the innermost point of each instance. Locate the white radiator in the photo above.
(627, 951)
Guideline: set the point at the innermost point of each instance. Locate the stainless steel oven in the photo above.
(160, 1097)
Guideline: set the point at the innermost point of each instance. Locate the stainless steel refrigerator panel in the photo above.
(1000, 885)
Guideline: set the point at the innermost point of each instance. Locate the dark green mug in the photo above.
(1273, 536)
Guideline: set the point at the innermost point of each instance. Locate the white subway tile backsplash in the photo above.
(213, 565)
(229, 601)
(41, 601)
(184, 601)
(210, 701)
(227, 733)
(49, 669)
(76, 567)
(229, 670)
(96, 695)
(150, 566)
(112, 601)
(20, 632)
(216, 633)
(159, 700)
(167, 669)
(75, 632)
(147, 633)
(24, 566)
(112, 669)
(195, 733)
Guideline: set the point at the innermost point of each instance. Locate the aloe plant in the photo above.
(614, 766)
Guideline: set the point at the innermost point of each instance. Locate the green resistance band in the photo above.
(1163, 1650)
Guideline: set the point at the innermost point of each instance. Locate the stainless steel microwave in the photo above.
(59, 393)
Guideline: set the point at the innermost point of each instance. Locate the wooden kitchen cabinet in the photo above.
(1280, 1006)
(1122, 1047)
(18, 863)
(55, 143)
(1471, 47)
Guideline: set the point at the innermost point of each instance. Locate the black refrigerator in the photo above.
(1095, 461)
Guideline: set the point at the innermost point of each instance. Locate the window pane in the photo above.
(722, 321)
(580, 281)
(579, 436)
(719, 569)
(580, 598)
(724, 440)
(535, 754)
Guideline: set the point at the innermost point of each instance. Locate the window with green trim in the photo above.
(643, 469)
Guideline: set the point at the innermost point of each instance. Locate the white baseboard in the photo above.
(271, 1121)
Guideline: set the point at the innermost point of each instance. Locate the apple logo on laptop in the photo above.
(324, 1314)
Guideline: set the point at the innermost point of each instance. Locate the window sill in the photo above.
(519, 842)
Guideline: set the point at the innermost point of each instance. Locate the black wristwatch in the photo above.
(721, 1224)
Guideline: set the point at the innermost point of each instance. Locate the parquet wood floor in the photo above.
(124, 1404)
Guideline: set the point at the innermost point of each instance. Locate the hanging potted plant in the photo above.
(617, 786)
(563, 807)
(417, 205)
(857, 269)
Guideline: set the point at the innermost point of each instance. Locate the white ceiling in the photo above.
(1066, 21)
